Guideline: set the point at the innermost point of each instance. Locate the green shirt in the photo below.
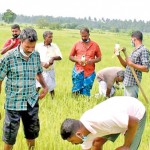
(20, 83)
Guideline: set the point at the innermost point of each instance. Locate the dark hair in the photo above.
(29, 34)
(46, 33)
(138, 35)
(120, 74)
(69, 128)
(84, 29)
(15, 26)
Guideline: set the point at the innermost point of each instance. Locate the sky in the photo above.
(112, 9)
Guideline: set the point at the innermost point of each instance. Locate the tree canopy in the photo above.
(105, 24)
(9, 16)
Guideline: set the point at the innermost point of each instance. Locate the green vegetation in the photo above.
(57, 23)
(53, 112)
(9, 16)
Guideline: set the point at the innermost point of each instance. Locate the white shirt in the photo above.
(47, 52)
(110, 117)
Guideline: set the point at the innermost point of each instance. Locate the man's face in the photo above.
(133, 40)
(28, 46)
(75, 140)
(84, 36)
(48, 39)
(15, 32)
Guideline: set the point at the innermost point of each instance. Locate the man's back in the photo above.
(108, 75)
(112, 115)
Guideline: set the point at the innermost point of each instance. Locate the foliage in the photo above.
(106, 24)
(9, 16)
(42, 23)
(55, 26)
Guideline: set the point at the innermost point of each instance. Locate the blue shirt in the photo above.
(20, 83)
(139, 56)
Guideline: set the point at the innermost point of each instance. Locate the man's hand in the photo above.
(117, 52)
(123, 49)
(93, 61)
(13, 41)
(43, 93)
(98, 143)
(123, 148)
(82, 63)
(90, 61)
(51, 61)
(41, 80)
(45, 65)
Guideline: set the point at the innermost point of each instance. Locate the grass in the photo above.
(53, 112)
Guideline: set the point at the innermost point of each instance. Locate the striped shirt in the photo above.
(139, 56)
(20, 83)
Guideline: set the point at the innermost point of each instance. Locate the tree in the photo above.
(89, 18)
(95, 19)
(9, 16)
(42, 23)
(55, 26)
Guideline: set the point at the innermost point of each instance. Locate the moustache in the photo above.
(15, 36)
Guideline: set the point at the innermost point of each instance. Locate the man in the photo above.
(138, 60)
(49, 53)
(120, 114)
(106, 79)
(14, 41)
(85, 54)
(22, 66)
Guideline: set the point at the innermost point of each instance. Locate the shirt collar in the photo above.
(139, 47)
(47, 45)
(18, 54)
(85, 42)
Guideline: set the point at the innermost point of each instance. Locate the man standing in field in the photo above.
(120, 114)
(49, 53)
(106, 79)
(138, 60)
(85, 54)
(21, 66)
(14, 41)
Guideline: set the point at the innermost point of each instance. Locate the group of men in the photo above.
(84, 70)
(29, 66)
(119, 114)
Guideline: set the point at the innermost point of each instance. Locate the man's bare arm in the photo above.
(130, 133)
(98, 143)
(44, 91)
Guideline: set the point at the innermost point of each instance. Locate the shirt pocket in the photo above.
(136, 58)
(16, 72)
